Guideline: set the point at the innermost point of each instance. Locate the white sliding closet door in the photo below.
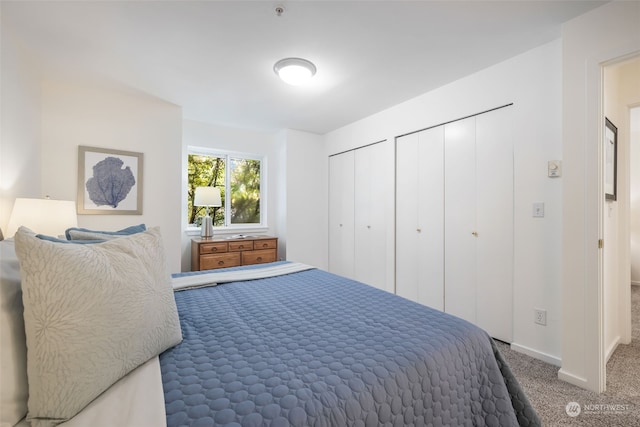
(460, 219)
(372, 197)
(341, 214)
(454, 220)
(420, 217)
(494, 217)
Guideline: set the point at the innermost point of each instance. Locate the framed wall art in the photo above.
(611, 160)
(109, 181)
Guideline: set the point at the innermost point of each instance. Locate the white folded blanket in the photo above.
(221, 276)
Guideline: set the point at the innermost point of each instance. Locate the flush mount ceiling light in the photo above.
(295, 71)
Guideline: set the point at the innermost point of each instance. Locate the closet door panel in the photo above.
(407, 199)
(371, 192)
(494, 163)
(431, 217)
(460, 225)
(362, 197)
(380, 216)
(341, 214)
(420, 217)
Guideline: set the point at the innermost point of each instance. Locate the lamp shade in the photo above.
(43, 216)
(207, 196)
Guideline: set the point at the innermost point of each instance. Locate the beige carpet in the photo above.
(618, 406)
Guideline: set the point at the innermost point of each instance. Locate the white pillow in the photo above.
(13, 350)
(92, 314)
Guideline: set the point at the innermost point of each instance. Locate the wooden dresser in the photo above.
(207, 254)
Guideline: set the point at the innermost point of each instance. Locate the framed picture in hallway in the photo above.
(611, 160)
(109, 181)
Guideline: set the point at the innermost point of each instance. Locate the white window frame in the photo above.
(226, 154)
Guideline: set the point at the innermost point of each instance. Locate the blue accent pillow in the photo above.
(76, 233)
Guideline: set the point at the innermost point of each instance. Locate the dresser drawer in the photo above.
(213, 248)
(229, 259)
(265, 244)
(208, 254)
(258, 257)
(241, 245)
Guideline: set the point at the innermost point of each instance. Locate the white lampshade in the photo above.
(207, 196)
(43, 216)
(294, 71)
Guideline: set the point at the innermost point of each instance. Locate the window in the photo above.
(239, 178)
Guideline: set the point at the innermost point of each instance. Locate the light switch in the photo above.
(538, 210)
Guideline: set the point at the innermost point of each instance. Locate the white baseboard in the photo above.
(612, 347)
(553, 360)
(572, 379)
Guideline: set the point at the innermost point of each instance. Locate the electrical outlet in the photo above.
(540, 316)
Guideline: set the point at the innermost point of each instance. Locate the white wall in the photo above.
(532, 81)
(588, 41)
(20, 128)
(74, 114)
(306, 199)
(634, 173)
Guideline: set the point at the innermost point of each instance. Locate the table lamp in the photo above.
(43, 216)
(207, 196)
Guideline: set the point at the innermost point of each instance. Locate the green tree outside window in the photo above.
(243, 175)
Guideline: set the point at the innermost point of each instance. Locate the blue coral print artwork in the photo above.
(110, 183)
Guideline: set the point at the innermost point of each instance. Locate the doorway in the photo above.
(634, 205)
(621, 90)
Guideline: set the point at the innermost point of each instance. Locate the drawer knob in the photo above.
(241, 246)
(259, 258)
(265, 245)
(220, 262)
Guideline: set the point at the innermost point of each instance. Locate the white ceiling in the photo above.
(215, 58)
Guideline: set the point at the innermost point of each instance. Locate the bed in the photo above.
(288, 344)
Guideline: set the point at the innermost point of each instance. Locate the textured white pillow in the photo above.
(13, 349)
(92, 314)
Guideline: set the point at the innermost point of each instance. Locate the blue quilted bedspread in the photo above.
(315, 349)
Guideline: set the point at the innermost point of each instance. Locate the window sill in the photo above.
(229, 231)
